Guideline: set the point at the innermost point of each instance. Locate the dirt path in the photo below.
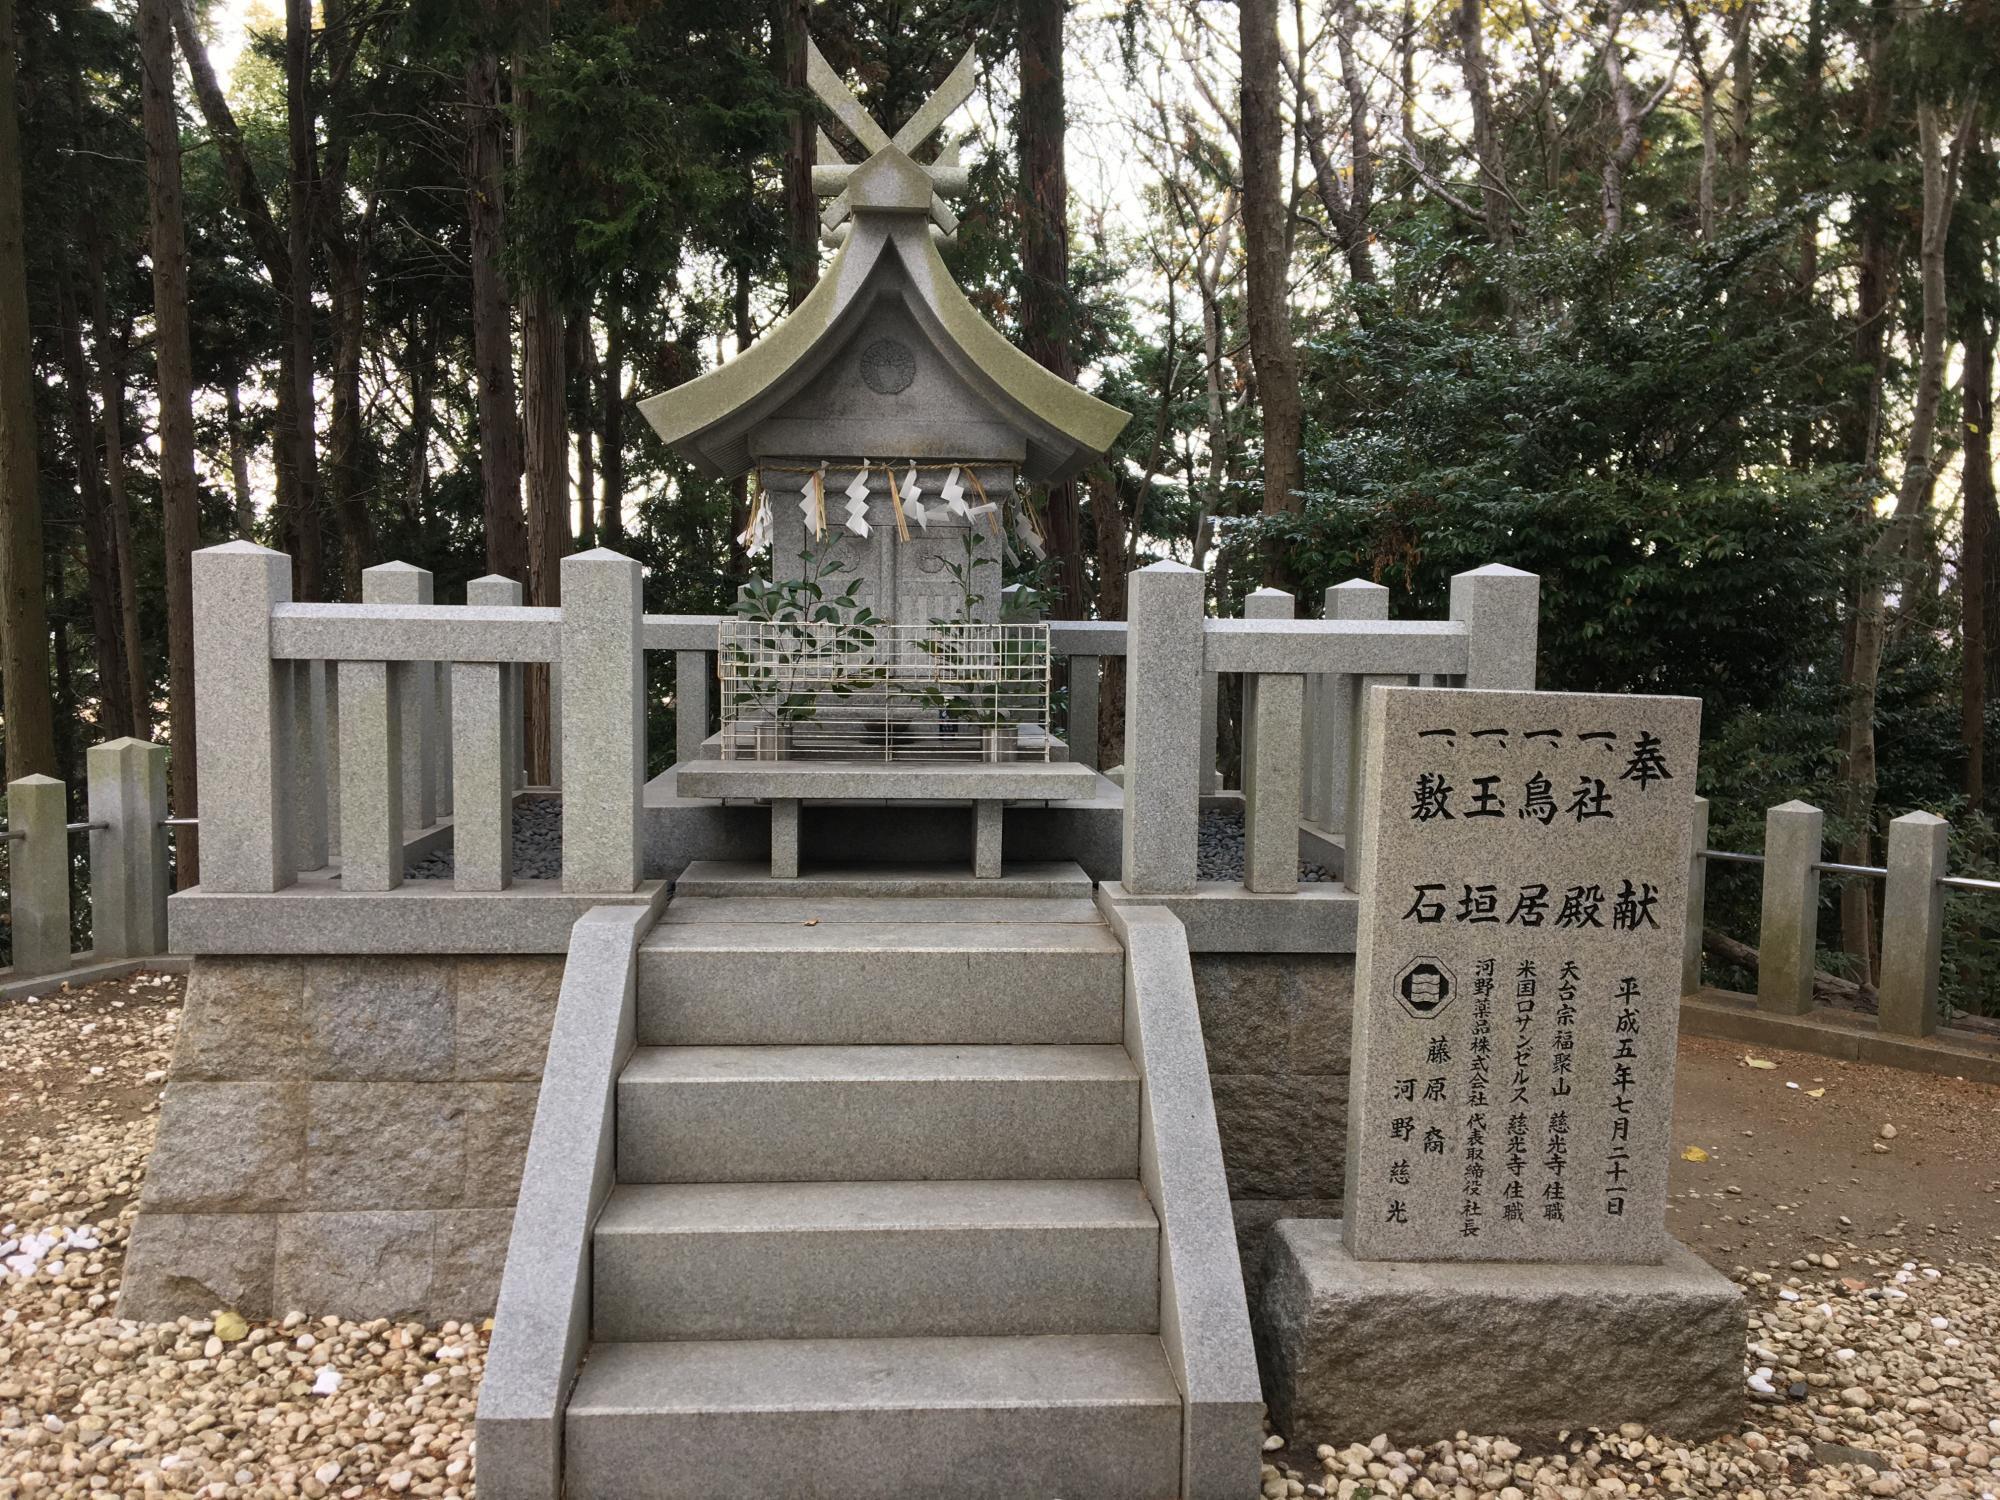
(1789, 1174)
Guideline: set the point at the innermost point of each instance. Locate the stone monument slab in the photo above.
(1518, 975)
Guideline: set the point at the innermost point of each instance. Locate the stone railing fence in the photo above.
(127, 830)
(1304, 704)
(346, 728)
(1915, 882)
(354, 728)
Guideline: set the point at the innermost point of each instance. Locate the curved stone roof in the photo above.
(889, 251)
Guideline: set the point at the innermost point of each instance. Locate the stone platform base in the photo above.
(1354, 1348)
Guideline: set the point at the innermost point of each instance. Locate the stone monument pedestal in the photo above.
(1423, 1350)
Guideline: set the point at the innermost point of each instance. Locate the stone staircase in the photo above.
(877, 1227)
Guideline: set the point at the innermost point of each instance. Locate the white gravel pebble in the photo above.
(92, 1405)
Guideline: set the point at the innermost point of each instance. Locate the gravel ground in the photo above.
(537, 845)
(1221, 849)
(1873, 1366)
(93, 1405)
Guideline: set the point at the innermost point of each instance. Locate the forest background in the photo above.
(1687, 306)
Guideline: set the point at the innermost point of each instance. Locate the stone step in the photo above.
(911, 975)
(877, 1113)
(714, 877)
(1095, 1418)
(874, 1259)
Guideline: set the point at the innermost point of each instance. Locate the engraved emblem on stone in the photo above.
(888, 367)
(1425, 987)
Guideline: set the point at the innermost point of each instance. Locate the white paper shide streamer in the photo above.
(913, 505)
(1025, 530)
(953, 495)
(857, 504)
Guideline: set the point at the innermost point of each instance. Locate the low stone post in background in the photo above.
(603, 722)
(415, 684)
(1164, 670)
(693, 674)
(1697, 902)
(1788, 932)
(1330, 711)
(372, 747)
(38, 874)
(1273, 727)
(506, 593)
(128, 855)
(1085, 676)
(243, 731)
(483, 705)
(1913, 925)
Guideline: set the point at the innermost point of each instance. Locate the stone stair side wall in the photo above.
(1204, 1316)
(342, 1135)
(542, 1326)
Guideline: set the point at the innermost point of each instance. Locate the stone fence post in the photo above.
(1913, 925)
(1330, 710)
(1164, 672)
(505, 592)
(128, 855)
(1085, 676)
(38, 874)
(1273, 728)
(603, 722)
(243, 732)
(694, 673)
(1697, 915)
(1788, 931)
(415, 686)
(1501, 609)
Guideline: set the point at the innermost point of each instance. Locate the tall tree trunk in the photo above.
(1893, 545)
(579, 400)
(801, 208)
(100, 547)
(24, 629)
(492, 319)
(65, 702)
(349, 503)
(1047, 313)
(1975, 582)
(297, 518)
(1266, 267)
(1859, 437)
(1742, 98)
(242, 504)
(544, 431)
(1486, 144)
(739, 499)
(611, 443)
(113, 354)
(179, 505)
(308, 563)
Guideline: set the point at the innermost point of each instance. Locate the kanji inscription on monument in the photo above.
(1517, 981)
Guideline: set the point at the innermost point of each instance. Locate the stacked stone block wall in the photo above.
(1276, 1027)
(342, 1135)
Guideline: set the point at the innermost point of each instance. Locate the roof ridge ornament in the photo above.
(834, 177)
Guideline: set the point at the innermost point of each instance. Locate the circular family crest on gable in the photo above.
(888, 367)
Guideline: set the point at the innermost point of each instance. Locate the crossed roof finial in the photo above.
(832, 173)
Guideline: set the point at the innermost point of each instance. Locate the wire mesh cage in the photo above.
(829, 690)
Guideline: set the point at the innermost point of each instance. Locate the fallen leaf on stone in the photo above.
(231, 1327)
(1758, 1062)
(1694, 1153)
(812, 921)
